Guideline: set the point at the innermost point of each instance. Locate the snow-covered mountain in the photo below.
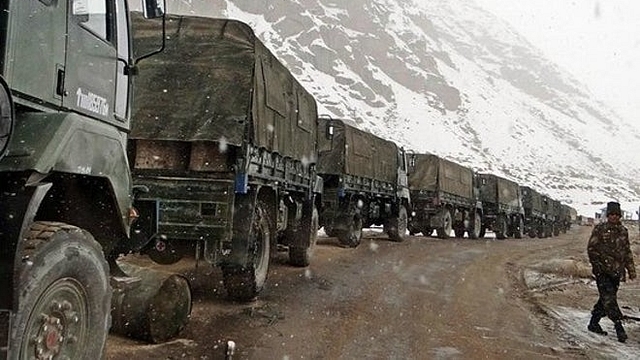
(447, 77)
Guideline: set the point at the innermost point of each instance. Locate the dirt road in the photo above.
(424, 298)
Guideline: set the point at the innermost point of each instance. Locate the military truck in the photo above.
(535, 212)
(364, 182)
(444, 197)
(502, 205)
(65, 82)
(556, 220)
(227, 151)
(539, 213)
(565, 218)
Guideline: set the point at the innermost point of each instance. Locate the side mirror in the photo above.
(330, 131)
(153, 9)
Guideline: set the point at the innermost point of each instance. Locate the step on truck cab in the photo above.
(226, 152)
(364, 182)
(65, 188)
(444, 197)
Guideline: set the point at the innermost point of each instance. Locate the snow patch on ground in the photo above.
(571, 322)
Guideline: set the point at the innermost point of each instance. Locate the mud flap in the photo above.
(23, 206)
(243, 213)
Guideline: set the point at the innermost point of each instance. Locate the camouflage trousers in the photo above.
(607, 304)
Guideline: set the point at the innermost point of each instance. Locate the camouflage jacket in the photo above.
(610, 252)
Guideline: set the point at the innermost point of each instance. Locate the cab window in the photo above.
(92, 15)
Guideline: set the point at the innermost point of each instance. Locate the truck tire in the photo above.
(7, 117)
(518, 230)
(412, 227)
(64, 295)
(444, 231)
(475, 227)
(301, 256)
(353, 235)
(330, 231)
(396, 227)
(243, 283)
(501, 227)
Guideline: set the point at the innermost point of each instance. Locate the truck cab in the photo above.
(65, 208)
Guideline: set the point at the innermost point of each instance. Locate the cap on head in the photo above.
(613, 208)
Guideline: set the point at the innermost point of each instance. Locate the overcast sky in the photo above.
(597, 41)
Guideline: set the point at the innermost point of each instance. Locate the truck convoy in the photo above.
(226, 152)
(364, 182)
(502, 205)
(65, 88)
(444, 197)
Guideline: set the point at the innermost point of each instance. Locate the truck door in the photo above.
(91, 58)
(35, 49)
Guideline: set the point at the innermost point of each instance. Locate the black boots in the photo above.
(622, 335)
(595, 327)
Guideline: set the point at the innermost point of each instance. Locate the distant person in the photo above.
(610, 255)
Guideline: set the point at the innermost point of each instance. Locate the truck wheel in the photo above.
(301, 256)
(64, 295)
(427, 231)
(353, 235)
(7, 117)
(518, 231)
(412, 227)
(396, 227)
(501, 227)
(445, 230)
(330, 231)
(243, 283)
(476, 227)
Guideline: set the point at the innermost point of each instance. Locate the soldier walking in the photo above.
(610, 255)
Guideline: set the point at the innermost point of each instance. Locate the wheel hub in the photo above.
(54, 330)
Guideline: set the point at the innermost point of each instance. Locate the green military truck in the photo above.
(564, 219)
(65, 82)
(225, 151)
(364, 182)
(557, 222)
(535, 212)
(502, 205)
(444, 197)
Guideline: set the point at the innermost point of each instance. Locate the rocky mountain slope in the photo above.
(447, 77)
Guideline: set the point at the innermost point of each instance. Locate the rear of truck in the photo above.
(502, 204)
(225, 151)
(364, 182)
(443, 196)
